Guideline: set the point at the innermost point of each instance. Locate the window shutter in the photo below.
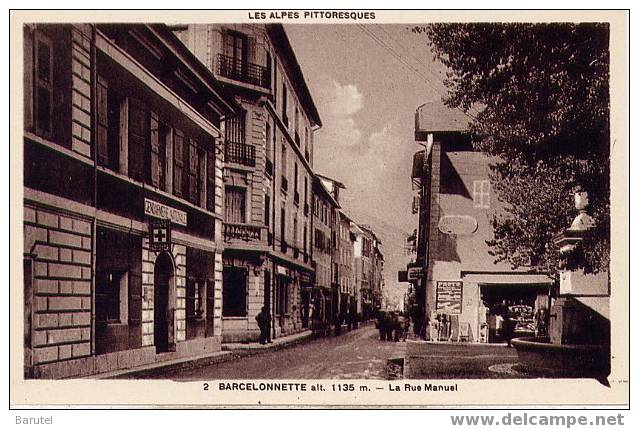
(138, 137)
(210, 307)
(178, 170)
(210, 181)
(103, 122)
(155, 151)
(44, 84)
(135, 297)
(193, 170)
(201, 178)
(252, 50)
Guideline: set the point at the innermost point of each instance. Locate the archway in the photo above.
(163, 304)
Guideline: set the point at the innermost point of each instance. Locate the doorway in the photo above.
(163, 310)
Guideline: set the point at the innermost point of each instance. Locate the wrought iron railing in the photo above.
(239, 153)
(244, 71)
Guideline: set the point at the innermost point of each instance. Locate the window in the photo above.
(295, 243)
(235, 47)
(195, 297)
(234, 291)
(283, 226)
(111, 297)
(235, 205)
(284, 169)
(43, 85)
(236, 129)
(481, 193)
(295, 193)
(281, 306)
(284, 105)
(267, 210)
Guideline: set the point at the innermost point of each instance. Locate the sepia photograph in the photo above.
(261, 201)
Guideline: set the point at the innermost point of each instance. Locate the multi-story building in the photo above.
(268, 176)
(346, 265)
(326, 293)
(460, 278)
(122, 199)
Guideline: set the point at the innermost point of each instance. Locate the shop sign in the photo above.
(415, 273)
(160, 235)
(449, 297)
(161, 211)
(283, 271)
(306, 277)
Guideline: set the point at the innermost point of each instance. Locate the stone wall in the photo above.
(61, 248)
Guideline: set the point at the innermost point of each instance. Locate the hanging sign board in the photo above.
(415, 273)
(160, 235)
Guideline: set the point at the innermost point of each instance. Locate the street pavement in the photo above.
(460, 360)
(357, 354)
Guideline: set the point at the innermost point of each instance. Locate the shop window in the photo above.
(235, 204)
(481, 193)
(195, 298)
(111, 297)
(234, 292)
(281, 305)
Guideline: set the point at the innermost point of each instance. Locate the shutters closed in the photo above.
(235, 205)
(139, 134)
(178, 166)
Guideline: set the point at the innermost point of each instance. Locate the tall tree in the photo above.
(539, 98)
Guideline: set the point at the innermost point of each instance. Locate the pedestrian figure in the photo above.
(263, 319)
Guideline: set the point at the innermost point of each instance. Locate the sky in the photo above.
(367, 82)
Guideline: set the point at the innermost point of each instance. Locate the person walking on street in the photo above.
(263, 319)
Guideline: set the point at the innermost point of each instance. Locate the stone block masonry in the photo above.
(60, 248)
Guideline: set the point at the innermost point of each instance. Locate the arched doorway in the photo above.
(163, 307)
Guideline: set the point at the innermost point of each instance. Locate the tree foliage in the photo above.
(539, 98)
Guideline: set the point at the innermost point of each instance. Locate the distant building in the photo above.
(122, 199)
(455, 203)
(268, 175)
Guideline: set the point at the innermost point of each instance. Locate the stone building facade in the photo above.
(122, 199)
(268, 176)
(461, 280)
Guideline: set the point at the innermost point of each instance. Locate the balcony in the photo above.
(239, 153)
(284, 184)
(243, 71)
(283, 246)
(269, 167)
(242, 231)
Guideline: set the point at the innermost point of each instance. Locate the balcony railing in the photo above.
(283, 246)
(238, 69)
(242, 231)
(284, 184)
(269, 167)
(239, 153)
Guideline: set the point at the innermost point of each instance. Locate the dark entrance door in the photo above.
(162, 313)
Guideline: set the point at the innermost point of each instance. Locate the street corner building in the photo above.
(123, 199)
(456, 284)
(267, 176)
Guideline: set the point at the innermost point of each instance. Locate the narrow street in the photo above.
(353, 355)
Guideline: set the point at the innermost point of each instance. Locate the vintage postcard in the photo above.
(319, 208)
